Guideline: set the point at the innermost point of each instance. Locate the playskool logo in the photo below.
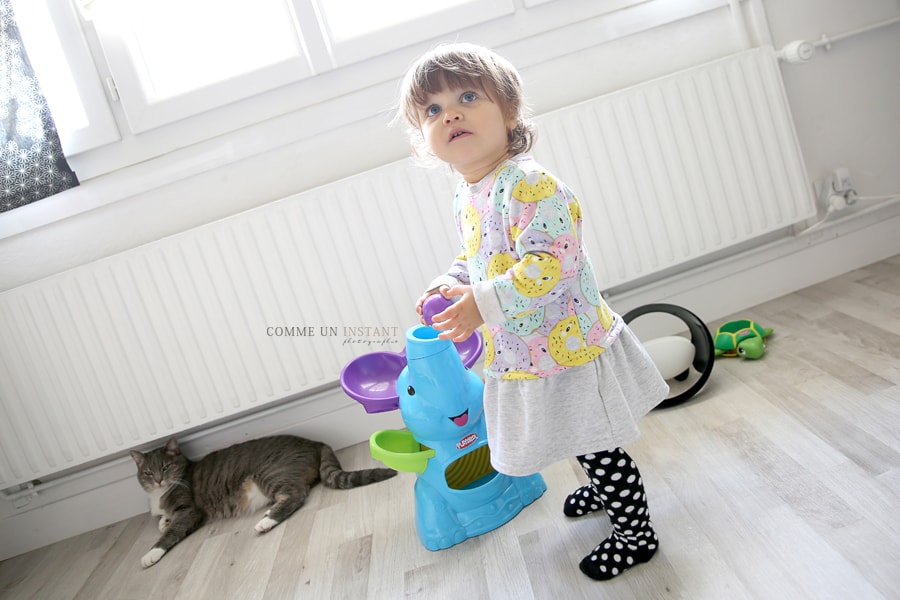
(366, 335)
(466, 441)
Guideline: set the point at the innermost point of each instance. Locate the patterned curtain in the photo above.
(32, 165)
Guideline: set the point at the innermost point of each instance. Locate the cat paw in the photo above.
(152, 557)
(265, 524)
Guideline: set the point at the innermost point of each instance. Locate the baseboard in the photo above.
(108, 493)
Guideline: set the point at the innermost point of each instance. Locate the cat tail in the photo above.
(334, 476)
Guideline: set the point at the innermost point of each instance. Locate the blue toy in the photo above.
(458, 494)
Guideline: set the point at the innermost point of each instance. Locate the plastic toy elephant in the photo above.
(458, 494)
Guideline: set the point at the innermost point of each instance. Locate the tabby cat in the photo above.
(278, 470)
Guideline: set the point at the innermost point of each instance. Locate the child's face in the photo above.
(466, 129)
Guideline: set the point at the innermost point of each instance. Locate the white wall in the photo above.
(846, 100)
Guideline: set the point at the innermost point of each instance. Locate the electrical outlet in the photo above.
(837, 190)
(841, 182)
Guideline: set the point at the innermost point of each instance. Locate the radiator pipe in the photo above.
(800, 51)
(826, 40)
(22, 494)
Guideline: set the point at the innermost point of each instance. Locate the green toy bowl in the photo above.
(399, 450)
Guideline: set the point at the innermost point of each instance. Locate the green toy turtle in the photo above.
(744, 338)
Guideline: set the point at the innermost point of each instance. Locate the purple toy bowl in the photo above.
(371, 379)
(470, 350)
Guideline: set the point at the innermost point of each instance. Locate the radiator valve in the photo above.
(798, 51)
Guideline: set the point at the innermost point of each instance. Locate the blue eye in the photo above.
(432, 110)
(468, 97)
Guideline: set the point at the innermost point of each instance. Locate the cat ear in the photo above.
(172, 447)
(138, 457)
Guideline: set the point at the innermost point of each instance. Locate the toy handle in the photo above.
(434, 304)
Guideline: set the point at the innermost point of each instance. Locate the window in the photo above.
(171, 59)
(165, 61)
(60, 57)
(174, 58)
(151, 77)
(137, 123)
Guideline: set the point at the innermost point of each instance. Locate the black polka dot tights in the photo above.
(616, 487)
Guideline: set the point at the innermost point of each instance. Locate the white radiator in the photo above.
(270, 304)
(681, 167)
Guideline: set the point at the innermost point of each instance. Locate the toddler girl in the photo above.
(564, 375)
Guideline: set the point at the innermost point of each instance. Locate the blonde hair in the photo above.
(466, 65)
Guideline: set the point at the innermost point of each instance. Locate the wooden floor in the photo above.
(780, 480)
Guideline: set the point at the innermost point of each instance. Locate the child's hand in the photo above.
(461, 319)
